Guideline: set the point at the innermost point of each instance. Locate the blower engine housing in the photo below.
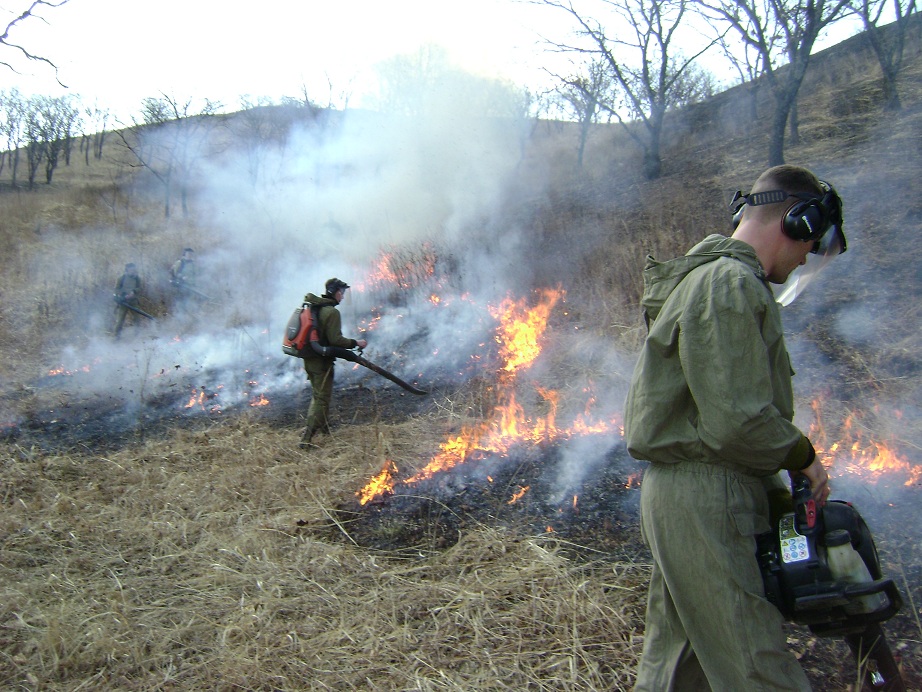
(823, 571)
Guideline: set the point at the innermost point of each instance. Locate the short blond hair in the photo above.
(790, 179)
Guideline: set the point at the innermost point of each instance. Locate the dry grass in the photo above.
(210, 561)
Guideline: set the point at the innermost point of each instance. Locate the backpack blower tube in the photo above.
(302, 337)
(820, 569)
(354, 357)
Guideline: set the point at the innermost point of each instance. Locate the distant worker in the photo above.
(182, 273)
(319, 369)
(127, 296)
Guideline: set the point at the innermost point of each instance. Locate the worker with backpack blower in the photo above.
(319, 368)
(710, 407)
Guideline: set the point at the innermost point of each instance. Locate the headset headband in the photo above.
(758, 199)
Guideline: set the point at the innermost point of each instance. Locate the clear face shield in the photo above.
(832, 243)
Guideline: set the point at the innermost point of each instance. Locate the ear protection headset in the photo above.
(807, 219)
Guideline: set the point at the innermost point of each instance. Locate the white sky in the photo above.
(120, 51)
(117, 52)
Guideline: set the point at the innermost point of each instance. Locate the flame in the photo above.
(61, 370)
(521, 329)
(401, 268)
(519, 335)
(201, 397)
(853, 454)
(517, 495)
(380, 484)
(260, 400)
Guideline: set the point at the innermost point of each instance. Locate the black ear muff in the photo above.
(738, 216)
(737, 206)
(806, 220)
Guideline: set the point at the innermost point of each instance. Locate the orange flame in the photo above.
(853, 454)
(201, 399)
(260, 400)
(61, 370)
(517, 495)
(380, 484)
(519, 335)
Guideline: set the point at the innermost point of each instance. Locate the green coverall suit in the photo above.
(127, 290)
(320, 369)
(710, 407)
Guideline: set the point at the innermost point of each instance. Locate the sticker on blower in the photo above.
(794, 546)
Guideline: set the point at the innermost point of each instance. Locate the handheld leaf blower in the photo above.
(820, 569)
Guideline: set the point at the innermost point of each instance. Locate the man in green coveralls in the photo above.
(127, 292)
(319, 368)
(710, 407)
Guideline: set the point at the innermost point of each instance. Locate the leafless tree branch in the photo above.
(26, 14)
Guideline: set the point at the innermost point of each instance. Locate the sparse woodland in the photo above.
(209, 552)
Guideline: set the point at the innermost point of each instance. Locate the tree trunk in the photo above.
(891, 94)
(583, 135)
(753, 103)
(652, 155)
(776, 137)
(794, 121)
(15, 166)
(652, 164)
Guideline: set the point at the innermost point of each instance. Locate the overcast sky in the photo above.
(120, 51)
(117, 52)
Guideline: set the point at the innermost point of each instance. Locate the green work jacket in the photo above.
(713, 381)
(330, 327)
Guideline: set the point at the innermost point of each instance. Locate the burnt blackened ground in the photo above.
(61, 413)
(521, 490)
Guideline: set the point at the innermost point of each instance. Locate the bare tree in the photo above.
(12, 117)
(259, 126)
(96, 121)
(783, 33)
(583, 95)
(425, 84)
(35, 143)
(886, 41)
(748, 65)
(7, 42)
(640, 49)
(49, 126)
(169, 141)
(59, 120)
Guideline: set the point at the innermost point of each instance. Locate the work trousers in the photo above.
(121, 312)
(708, 624)
(320, 374)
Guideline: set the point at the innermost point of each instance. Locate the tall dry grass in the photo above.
(211, 560)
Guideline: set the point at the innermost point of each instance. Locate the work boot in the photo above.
(306, 439)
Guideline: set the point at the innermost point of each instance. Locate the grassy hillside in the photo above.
(204, 550)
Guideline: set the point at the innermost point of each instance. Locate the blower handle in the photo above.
(805, 515)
